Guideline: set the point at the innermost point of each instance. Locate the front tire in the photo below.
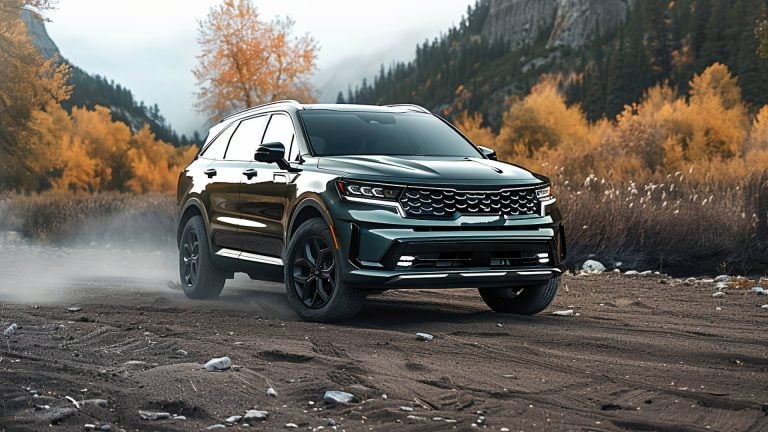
(521, 301)
(313, 276)
(199, 276)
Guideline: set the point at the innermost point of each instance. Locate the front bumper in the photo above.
(467, 252)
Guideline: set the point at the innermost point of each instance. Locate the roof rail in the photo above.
(414, 107)
(287, 101)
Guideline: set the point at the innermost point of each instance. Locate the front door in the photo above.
(264, 197)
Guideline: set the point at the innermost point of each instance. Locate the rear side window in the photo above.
(246, 139)
(218, 147)
(280, 130)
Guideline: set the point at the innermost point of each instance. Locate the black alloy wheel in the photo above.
(314, 272)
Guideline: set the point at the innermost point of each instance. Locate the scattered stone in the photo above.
(254, 416)
(216, 426)
(218, 364)
(690, 281)
(437, 419)
(765, 306)
(41, 407)
(154, 415)
(480, 420)
(135, 363)
(291, 425)
(271, 392)
(338, 397)
(721, 286)
(89, 426)
(707, 281)
(406, 408)
(504, 430)
(179, 417)
(645, 273)
(10, 330)
(451, 421)
(723, 278)
(233, 419)
(330, 422)
(416, 418)
(106, 428)
(567, 312)
(98, 402)
(592, 266)
(718, 308)
(719, 294)
(424, 337)
(181, 352)
(74, 309)
(631, 273)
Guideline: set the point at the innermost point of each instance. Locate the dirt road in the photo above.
(641, 355)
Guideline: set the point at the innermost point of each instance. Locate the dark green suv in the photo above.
(341, 201)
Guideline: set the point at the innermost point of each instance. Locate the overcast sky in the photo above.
(150, 46)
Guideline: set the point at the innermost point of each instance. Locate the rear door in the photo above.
(224, 189)
(264, 196)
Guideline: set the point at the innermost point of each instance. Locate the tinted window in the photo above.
(218, 147)
(336, 133)
(280, 130)
(246, 139)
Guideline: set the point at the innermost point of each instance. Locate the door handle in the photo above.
(210, 172)
(250, 173)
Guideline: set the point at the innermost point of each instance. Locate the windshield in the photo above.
(349, 133)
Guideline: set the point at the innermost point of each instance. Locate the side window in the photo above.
(218, 147)
(280, 129)
(246, 139)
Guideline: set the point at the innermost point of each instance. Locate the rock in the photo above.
(218, 364)
(98, 402)
(416, 418)
(406, 408)
(291, 425)
(254, 416)
(89, 426)
(765, 306)
(179, 417)
(707, 281)
(330, 422)
(592, 266)
(424, 337)
(567, 312)
(74, 309)
(757, 290)
(135, 363)
(271, 392)
(719, 294)
(106, 428)
(216, 426)
(631, 273)
(504, 430)
(233, 419)
(721, 286)
(338, 397)
(181, 352)
(480, 420)
(11, 330)
(723, 278)
(154, 415)
(645, 273)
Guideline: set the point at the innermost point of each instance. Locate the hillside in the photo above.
(91, 90)
(607, 52)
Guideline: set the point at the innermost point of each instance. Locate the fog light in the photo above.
(543, 258)
(406, 261)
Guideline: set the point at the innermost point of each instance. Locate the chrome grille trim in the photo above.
(419, 201)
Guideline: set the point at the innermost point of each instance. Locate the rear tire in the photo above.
(521, 301)
(199, 276)
(313, 276)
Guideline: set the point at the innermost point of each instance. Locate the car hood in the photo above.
(430, 169)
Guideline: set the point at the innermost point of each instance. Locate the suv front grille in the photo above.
(425, 202)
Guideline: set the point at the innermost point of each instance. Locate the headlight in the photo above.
(544, 193)
(354, 189)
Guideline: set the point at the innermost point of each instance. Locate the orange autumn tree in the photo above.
(29, 82)
(246, 61)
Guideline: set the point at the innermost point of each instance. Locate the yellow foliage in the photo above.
(471, 125)
(245, 61)
(89, 152)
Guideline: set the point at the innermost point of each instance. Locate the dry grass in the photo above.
(85, 218)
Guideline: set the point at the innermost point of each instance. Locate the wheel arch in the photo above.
(192, 208)
(308, 208)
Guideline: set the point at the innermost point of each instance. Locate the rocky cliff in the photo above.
(564, 23)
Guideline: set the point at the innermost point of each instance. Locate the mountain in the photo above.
(605, 52)
(91, 90)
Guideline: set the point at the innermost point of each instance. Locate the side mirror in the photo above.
(273, 152)
(488, 152)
